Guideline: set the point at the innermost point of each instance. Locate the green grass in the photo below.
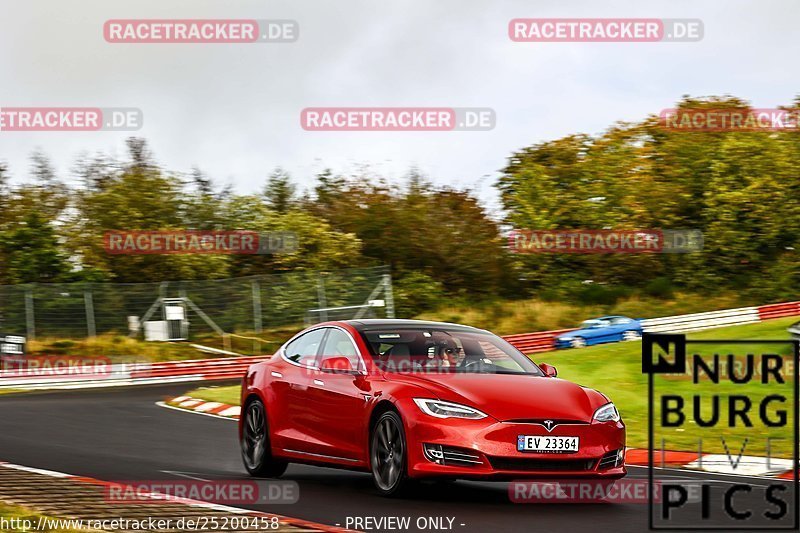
(615, 369)
(228, 395)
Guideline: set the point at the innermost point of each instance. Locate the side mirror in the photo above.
(336, 364)
(549, 370)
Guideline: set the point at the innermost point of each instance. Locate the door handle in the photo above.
(319, 382)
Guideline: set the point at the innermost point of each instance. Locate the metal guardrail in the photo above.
(700, 321)
(542, 341)
(135, 374)
(766, 312)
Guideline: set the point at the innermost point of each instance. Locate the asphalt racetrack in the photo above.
(121, 434)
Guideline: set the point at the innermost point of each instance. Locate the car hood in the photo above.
(579, 333)
(511, 397)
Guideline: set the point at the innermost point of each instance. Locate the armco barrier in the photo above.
(540, 341)
(136, 374)
(766, 312)
(235, 367)
(698, 321)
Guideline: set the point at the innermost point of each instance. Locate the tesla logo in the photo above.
(663, 354)
(549, 425)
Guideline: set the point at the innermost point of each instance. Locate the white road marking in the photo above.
(184, 474)
(700, 472)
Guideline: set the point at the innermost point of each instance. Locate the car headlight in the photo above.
(441, 409)
(607, 413)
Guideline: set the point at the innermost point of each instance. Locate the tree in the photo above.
(441, 232)
(320, 247)
(32, 252)
(140, 197)
(738, 188)
(280, 191)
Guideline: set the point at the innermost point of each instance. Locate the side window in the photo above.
(338, 344)
(303, 349)
(620, 321)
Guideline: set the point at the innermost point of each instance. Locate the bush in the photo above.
(416, 293)
(659, 288)
(596, 294)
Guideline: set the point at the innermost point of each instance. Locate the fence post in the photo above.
(185, 321)
(29, 317)
(388, 295)
(88, 301)
(256, 289)
(323, 301)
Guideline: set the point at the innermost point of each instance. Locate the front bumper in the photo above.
(562, 343)
(487, 449)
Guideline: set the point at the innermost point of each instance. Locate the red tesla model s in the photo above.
(407, 399)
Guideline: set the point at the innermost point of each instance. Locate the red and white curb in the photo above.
(745, 465)
(126, 375)
(297, 522)
(203, 407)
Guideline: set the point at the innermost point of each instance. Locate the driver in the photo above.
(447, 354)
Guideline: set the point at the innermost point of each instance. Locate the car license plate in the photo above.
(545, 444)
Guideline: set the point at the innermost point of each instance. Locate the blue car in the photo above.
(600, 330)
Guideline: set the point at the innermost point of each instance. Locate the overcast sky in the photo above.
(233, 109)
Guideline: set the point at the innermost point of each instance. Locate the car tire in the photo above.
(388, 453)
(255, 444)
(578, 342)
(631, 335)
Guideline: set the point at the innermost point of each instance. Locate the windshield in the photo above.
(450, 351)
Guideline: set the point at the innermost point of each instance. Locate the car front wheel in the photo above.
(256, 452)
(578, 342)
(388, 455)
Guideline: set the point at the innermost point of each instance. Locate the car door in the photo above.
(338, 393)
(293, 420)
(600, 333)
(621, 325)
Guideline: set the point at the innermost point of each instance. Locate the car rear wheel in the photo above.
(388, 455)
(578, 342)
(631, 335)
(256, 452)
